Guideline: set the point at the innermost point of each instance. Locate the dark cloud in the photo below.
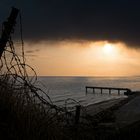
(113, 20)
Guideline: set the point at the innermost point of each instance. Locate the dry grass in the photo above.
(26, 119)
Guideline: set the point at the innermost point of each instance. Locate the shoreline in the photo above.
(98, 107)
(93, 109)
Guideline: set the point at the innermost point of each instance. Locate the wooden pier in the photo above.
(126, 90)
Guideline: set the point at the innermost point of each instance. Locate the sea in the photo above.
(71, 91)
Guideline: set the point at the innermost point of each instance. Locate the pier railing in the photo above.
(127, 91)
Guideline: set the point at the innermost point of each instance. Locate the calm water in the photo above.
(62, 88)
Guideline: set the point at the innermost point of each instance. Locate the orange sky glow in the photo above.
(82, 58)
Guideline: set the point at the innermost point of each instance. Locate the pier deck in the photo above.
(127, 91)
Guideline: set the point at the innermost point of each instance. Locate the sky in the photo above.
(79, 37)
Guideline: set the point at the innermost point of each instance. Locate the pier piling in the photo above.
(126, 90)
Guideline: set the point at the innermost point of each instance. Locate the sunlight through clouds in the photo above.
(83, 58)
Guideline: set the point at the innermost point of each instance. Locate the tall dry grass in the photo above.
(26, 119)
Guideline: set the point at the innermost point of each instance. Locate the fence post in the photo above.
(7, 29)
(77, 114)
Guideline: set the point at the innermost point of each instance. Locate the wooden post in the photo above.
(77, 114)
(86, 89)
(93, 90)
(109, 91)
(118, 92)
(8, 29)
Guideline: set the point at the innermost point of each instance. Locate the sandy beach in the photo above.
(126, 109)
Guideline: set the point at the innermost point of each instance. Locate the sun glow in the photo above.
(73, 58)
(108, 49)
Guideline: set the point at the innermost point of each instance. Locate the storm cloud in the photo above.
(112, 20)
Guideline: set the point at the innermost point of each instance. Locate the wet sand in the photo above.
(129, 113)
(126, 110)
(98, 107)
